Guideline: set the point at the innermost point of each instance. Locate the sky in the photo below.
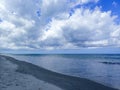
(59, 26)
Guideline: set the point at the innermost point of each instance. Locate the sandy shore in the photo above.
(20, 75)
(12, 80)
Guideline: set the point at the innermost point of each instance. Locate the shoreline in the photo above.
(10, 79)
(63, 81)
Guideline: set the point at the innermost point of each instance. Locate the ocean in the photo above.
(101, 68)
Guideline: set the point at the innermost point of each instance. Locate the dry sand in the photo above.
(12, 80)
(20, 75)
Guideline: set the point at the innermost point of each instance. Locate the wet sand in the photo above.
(59, 81)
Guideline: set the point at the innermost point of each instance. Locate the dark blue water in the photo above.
(104, 69)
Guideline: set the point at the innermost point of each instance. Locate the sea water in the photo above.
(102, 68)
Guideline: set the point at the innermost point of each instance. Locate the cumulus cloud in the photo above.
(85, 28)
(84, 1)
(47, 24)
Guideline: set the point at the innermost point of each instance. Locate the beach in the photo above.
(21, 75)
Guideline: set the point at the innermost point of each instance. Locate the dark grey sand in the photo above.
(63, 81)
(12, 80)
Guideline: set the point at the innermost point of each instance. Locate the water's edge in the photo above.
(63, 81)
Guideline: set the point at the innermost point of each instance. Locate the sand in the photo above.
(12, 80)
(20, 75)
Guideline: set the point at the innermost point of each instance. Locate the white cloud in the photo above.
(46, 24)
(86, 1)
(81, 2)
(85, 28)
